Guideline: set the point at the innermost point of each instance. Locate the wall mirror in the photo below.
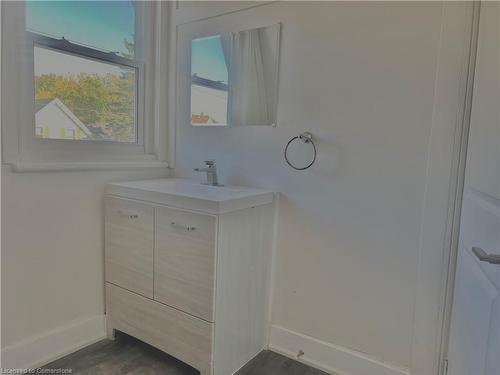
(234, 78)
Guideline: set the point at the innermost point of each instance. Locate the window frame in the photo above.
(25, 152)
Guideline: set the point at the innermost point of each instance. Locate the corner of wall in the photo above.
(39, 350)
(331, 358)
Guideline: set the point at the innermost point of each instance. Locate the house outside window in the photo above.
(92, 76)
(87, 70)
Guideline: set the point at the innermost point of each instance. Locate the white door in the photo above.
(474, 342)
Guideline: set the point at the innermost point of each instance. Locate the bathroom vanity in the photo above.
(187, 269)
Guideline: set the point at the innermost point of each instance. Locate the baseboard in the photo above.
(330, 358)
(41, 349)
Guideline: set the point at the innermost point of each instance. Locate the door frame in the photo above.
(445, 172)
(457, 188)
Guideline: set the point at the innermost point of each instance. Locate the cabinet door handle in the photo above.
(175, 225)
(483, 256)
(125, 214)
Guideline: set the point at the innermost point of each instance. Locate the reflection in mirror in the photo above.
(209, 81)
(234, 78)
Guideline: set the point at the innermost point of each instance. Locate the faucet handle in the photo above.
(210, 163)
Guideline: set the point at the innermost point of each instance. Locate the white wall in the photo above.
(483, 173)
(52, 261)
(362, 78)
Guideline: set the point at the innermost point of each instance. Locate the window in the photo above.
(85, 75)
(77, 92)
(68, 134)
(39, 132)
(101, 25)
(82, 79)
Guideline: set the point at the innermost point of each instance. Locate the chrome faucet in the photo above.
(211, 170)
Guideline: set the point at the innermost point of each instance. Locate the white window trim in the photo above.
(24, 152)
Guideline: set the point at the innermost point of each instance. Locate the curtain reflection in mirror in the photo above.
(233, 78)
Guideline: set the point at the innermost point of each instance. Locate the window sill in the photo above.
(21, 166)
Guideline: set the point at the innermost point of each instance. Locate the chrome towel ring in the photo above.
(307, 138)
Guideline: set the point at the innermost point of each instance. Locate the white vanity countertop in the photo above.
(192, 195)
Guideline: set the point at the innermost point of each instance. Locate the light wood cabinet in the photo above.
(185, 261)
(129, 245)
(181, 335)
(193, 284)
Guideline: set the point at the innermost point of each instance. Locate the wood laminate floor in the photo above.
(129, 356)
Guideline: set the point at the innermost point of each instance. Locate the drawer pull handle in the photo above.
(130, 216)
(180, 226)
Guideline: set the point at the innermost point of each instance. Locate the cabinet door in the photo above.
(185, 261)
(129, 245)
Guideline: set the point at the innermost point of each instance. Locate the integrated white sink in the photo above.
(192, 195)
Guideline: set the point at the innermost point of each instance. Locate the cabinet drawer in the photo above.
(185, 261)
(129, 245)
(176, 333)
